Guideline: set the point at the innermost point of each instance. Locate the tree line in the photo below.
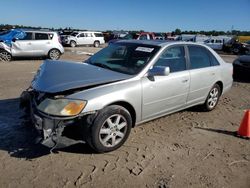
(175, 32)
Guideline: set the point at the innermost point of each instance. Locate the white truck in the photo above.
(83, 38)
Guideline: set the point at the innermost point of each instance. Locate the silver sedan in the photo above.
(121, 86)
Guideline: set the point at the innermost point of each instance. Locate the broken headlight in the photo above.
(62, 107)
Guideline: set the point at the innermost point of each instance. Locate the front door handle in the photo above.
(184, 81)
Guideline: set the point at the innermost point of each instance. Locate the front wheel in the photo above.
(212, 98)
(110, 129)
(96, 44)
(72, 44)
(5, 56)
(54, 54)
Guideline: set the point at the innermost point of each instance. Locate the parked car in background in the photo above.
(146, 36)
(214, 43)
(36, 43)
(123, 85)
(126, 37)
(84, 38)
(159, 36)
(241, 48)
(241, 67)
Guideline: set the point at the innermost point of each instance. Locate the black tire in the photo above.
(96, 44)
(72, 44)
(236, 51)
(96, 135)
(5, 56)
(212, 98)
(54, 54)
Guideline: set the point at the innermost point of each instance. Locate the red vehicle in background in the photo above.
(150, 36)
(140, 36)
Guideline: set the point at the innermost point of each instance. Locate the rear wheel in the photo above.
(5, 56)
(96, 44)
(212, 98)
(110, 129)
(236, 51)
(54, 54)
(72, 44)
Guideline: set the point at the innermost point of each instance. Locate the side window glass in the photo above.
(81, 35)
(174, 58)
(214, 61)
(218, 41)
(199, 57)
(27, 37)
(41, 36)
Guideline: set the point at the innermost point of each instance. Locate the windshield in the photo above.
(127, 58)
(74, 34)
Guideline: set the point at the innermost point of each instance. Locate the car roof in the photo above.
(38, 31)
(87, 32)
(160, 43)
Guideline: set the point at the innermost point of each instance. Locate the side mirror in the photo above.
(159, 71)
(14, 40)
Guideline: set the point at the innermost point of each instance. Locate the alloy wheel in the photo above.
(5, 56)
(213, 97)
(113, 130)
(54, 54)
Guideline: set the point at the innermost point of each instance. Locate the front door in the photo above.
(163, 94)
(23, 47)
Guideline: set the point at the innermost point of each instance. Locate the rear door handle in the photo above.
(29, 43)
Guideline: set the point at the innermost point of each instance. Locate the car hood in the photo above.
(244, 58)
(59, 76)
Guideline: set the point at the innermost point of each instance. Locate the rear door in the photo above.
(42, 43)
(23, 47)
(203, 73)
(163, 94)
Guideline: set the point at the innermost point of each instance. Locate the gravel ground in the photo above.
(186, 149)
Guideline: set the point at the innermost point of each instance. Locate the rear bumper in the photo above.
(50, 129)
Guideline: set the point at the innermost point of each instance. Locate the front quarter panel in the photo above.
(124, 91)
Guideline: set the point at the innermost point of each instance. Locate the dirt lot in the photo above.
(186, 149)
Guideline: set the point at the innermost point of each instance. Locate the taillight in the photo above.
(59, 39)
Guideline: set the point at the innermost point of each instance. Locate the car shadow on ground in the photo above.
(18, 136)
(225, 132)
(28, 58)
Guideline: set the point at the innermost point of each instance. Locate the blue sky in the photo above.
(148, 15)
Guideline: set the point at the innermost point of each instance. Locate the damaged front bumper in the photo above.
(51, 129)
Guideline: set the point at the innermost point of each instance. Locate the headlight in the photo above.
(62, 107)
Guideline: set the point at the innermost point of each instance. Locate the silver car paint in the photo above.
(149, 100)
(25, 48)
(73, 75)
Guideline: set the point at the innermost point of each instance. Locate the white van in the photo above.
(84, 38)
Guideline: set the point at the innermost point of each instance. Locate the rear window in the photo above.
(41, 36)
(98, 34)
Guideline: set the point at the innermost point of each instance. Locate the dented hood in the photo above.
(59, 76)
